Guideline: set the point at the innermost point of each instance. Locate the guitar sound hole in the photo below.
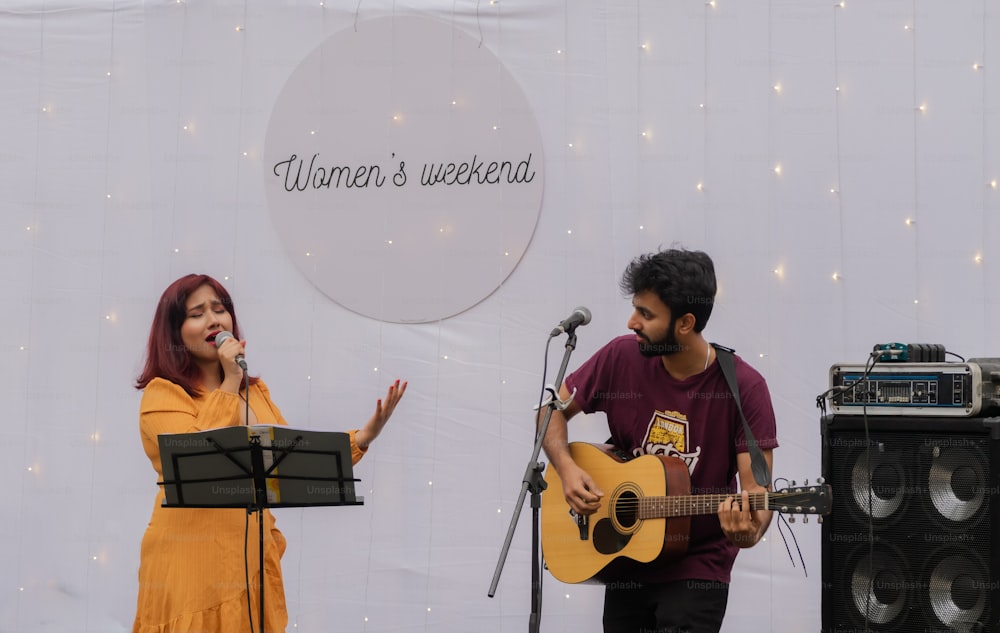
(627, 510)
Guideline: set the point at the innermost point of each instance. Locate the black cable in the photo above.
(246, 566)
(873, 358)
(545, 373)
(781, 518)
(541, 399)
(833, 392)
(246, 400)
(871, 517)
(246, 524)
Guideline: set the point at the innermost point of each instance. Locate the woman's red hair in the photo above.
(166, 355)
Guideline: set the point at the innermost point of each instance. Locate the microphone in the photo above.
(221, 337)
(580, 316)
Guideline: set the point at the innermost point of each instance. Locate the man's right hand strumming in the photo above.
(581, 491)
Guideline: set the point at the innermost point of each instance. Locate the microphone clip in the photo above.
(554, 401)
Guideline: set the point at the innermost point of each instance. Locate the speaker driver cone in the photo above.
(958, 592)
(956, 483)
(878, 483)
(880, 588)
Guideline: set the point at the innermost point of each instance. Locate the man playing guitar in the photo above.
(664, 393)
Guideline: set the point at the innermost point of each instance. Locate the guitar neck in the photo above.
(691, 505)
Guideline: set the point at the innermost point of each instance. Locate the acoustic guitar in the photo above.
(645, 514)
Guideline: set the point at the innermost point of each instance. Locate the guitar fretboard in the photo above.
(691, 505)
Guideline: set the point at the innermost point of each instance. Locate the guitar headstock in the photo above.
(805, 499)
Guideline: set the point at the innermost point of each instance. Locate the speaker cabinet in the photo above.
(911, 544)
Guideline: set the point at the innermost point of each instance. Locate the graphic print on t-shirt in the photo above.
(667, 434)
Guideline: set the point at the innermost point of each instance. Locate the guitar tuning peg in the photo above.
(791, 519)
(793, 483)
(805, 519)
(820, 480)
(805, 483)
(819, 519)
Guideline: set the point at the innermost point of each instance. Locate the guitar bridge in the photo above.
(582, 522)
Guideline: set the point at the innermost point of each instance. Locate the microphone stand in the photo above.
(534, 483)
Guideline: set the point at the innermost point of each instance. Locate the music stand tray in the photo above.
(216, 468)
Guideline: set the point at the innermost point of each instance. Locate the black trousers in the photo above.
(684, 606)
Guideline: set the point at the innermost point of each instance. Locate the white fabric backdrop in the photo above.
(839, 163)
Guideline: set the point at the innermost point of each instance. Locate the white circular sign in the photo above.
(403, 169)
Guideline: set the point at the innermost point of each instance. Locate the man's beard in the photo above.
(665, 346)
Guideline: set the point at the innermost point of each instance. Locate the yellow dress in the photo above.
(193, 566)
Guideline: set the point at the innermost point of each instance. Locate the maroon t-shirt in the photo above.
(650, 412)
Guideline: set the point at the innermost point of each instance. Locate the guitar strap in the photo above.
(761, 472)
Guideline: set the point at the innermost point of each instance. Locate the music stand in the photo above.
(238, 467)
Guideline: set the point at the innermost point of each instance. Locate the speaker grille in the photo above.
(910, 546)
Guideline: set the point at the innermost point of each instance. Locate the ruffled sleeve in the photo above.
(356, 451)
